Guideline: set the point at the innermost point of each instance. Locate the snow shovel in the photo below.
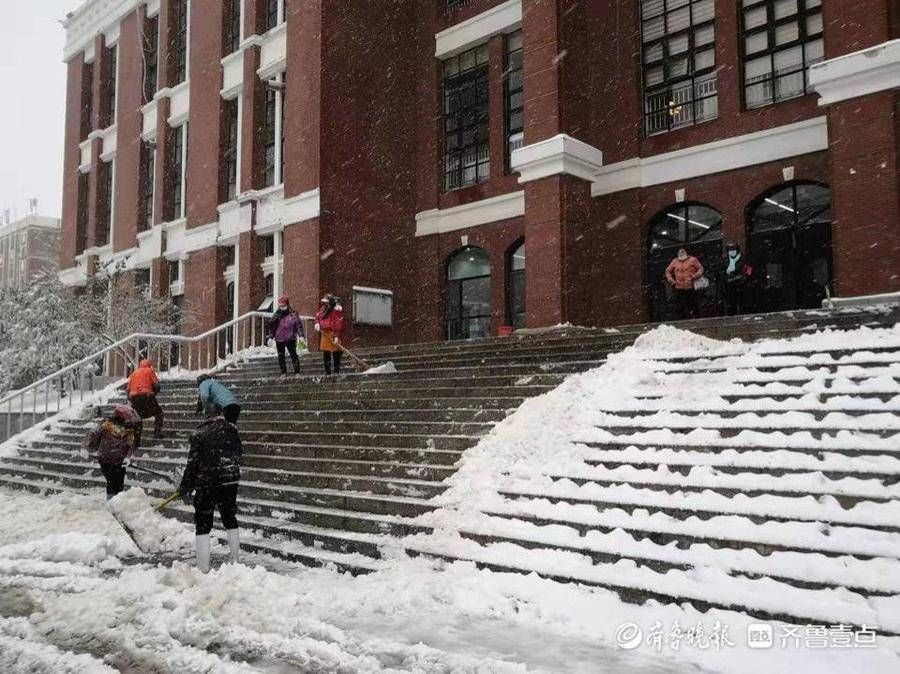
(361, 365)
(162, 504)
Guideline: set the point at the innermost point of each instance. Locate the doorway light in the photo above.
(693, 222)
(781, 206)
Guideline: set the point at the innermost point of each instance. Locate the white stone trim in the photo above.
(439, 221)
(781, 142)
(86, 158)
(148, 249)
(504, 18)
(305, 206)
(560, 155)
(233, 74)
(858, 74)
(270, 210)
(273, 52)
(91, 19)
(198, 238)
(73, 276)
(235, 218)
(150, 111)
(109, 143)
(111, 37)
(152, 8)
(179, 103)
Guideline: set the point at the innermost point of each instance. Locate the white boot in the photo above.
(201, 543)
(234, 545)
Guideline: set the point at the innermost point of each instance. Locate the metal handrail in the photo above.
(129, 352)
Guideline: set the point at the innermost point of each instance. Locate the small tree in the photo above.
(47, 326)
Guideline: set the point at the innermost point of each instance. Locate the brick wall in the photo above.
(71, 160)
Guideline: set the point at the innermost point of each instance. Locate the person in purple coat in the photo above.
(284, 328)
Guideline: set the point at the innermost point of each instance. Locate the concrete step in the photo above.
(186, 415)
(805, 445)
(344, 404)
(685, 430)
(816, 411)
(174, 449)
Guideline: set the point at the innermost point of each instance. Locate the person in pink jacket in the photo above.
(682, 273)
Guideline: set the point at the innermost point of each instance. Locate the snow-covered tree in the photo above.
(46, 326)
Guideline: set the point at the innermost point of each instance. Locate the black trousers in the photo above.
(146, 405)
(686, 304)
(231, 413)
(115, 478)
(291, 347)
(735, 298)
(208, 500)
(330, 357)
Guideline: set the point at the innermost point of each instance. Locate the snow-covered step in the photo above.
(704, 588)
(848, 490)
(884, 468)
(683, 528)
(729, 409)
(693, 434)
(825, 508)
(791, 419)
(877, 576)
(773, 362)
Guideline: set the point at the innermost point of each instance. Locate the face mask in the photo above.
(732, 254)
(682, 256)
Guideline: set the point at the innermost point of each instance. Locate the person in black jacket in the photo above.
(212, 474)
(737, 275)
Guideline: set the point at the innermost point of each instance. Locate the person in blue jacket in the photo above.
(215, 398)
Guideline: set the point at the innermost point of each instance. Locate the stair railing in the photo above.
(71, 385)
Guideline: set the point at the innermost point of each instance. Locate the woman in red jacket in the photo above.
(330, 323)
(682, 273)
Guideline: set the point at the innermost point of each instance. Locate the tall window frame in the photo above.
(105, 203)
(111, 76)
(177, 168)
(229, 163)
(87, 100)
(81, 218)
(513, 95)
(231, 28)
(273, 14)
(151, 57)
(178, 52)
(780, 40)
(148, 185)
(678, 56)
(273, 132)
(466, 116)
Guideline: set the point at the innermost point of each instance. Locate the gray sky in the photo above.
(32, 110)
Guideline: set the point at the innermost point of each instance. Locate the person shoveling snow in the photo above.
(114, 439)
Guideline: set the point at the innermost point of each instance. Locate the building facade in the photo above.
(29, 247)
(450, 167)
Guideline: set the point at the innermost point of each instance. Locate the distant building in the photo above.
(28, 248)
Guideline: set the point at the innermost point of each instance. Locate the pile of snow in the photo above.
(670, 340)
(153, 532)
(384, 368)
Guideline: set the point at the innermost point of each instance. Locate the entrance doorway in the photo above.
(789, 237)
(697, 228)
(515, 287)
(468, 313)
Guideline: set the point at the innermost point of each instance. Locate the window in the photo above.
(789, 235)
(698, 229)
(151, 57)
(178, 146)
(105, 203)
(148, 180)
(178, 42)
(679, 63)
(273, 132)
(373, 307)
(781, 39)
(516, 288)
(274, 13)
(230, 255)
(174, 271)
(109, 89)
(268, 246)
(228, 179)
(84, 192)
(512, 95)
(468, 309)
(87, 100)
(231, 33)
(268, 304)
(467, 156)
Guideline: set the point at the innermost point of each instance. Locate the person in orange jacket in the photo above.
(681, 274)
(330, 323)
(143, 387)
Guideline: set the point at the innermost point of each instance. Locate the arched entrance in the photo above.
(515, 287)
(696, 227)
(789, 241)
(468, 312)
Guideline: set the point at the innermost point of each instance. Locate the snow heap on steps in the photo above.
(759, 477)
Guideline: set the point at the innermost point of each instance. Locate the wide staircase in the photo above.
(336, 470)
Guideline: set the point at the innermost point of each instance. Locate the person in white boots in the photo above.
(212, 475)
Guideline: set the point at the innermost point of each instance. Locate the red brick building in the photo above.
(406, 154)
